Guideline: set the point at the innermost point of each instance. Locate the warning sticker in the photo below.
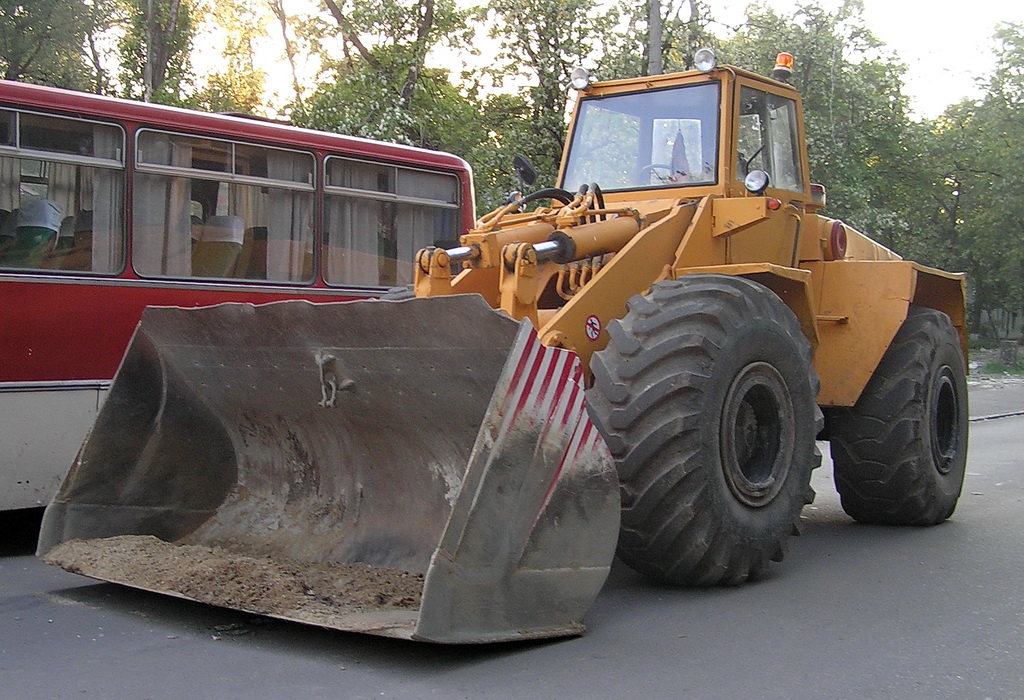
(593, 327)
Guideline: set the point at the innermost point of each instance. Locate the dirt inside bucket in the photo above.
(315, 593)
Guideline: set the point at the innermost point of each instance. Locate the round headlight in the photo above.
(705, 60)
(756, 181)
(580, 78)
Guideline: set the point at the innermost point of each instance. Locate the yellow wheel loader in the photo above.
(640, 366)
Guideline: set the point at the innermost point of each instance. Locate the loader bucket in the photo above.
(422, 469)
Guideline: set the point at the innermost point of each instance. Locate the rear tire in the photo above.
(900, 453)
(706, 398)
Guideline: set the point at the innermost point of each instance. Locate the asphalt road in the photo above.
(853, 612)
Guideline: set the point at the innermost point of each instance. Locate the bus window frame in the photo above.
(140, 166)
(60, 156)
(391, 196)
(378, 196)
(120, 163)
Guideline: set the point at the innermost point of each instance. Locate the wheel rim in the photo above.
(945, 421)
(757, 434)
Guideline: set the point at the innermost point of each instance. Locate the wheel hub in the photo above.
(945, 420)
(757, 434)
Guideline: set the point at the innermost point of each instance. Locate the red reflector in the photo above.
(774, 204)
(837, 240)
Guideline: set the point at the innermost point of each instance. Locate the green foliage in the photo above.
(685, 28)
(541, 41)
(383, 90)
(42, 42)
(360, 103)
(995, 367)
(975, 155)
(236, 85)
(154, 49)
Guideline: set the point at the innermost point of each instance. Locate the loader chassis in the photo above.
(682, 279)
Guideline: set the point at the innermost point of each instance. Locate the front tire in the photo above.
(706, 398)
(900, 453)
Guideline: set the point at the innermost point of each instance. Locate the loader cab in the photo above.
(687, 135)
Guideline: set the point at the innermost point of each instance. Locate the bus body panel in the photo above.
(57, 330)
(41, 428)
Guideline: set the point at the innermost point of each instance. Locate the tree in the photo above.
(380, 87)
(638, 42)
(104, 16)
(982, 144)
(290, 47)
(238, 85)
(655, 64)
(42, 42)
(154, 49)
(541, 42)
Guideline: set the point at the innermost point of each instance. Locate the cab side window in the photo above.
(768, 140)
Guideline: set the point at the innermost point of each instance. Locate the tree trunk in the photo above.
(277, 7)
(426, 23)
(158, 40)
(654, 61)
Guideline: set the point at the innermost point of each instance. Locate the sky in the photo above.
(946, 44)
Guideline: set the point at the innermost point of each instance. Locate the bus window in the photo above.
(220, 209)
(376, 217)
(61, 194)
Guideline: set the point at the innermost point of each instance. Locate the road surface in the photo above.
(854, 611)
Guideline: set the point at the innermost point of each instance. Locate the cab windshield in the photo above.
(660, 138)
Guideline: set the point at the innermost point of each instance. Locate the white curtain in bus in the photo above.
(289, 222)
(98, 218)
(415, 228)
(60, 186)
(247, 202)
(107, 201)
(418, 225)
(353, 255)
(162, 225)
(10, 183)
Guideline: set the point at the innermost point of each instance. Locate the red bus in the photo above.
(108, 206)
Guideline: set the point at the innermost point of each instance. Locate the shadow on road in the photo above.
(20, 529)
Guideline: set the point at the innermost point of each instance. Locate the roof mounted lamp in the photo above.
(783, 70)
(580, 78)
(705, 60)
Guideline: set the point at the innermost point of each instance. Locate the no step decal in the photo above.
(593, 327)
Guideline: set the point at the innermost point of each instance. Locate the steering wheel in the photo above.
(651, 168)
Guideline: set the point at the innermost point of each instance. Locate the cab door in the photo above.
(769, 136)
